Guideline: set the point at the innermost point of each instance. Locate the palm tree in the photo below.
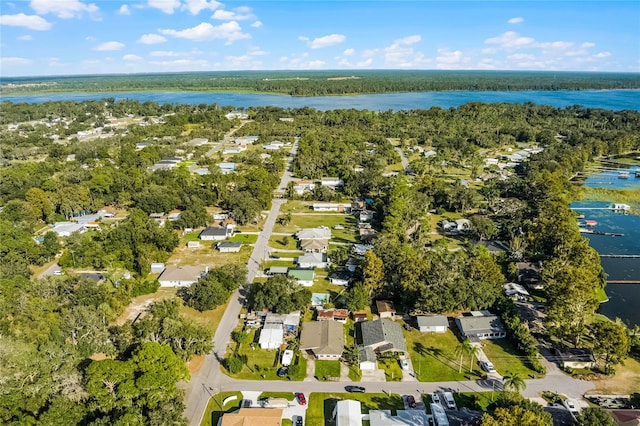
(513, 382)
(472, 350)
(464, 347)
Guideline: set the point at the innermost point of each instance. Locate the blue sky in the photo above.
(60, 37)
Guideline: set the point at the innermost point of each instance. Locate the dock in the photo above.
(621, 256)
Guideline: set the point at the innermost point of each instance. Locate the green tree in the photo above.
(357, 297)
(483, 228)
(50, 245)
(595, 416)
(611, 343)
(513, 382)
(233, 364)
(39, 203)
(372, 272)
(515, 415)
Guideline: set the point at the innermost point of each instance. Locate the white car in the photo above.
(487, 366)
(404, 364)
(435, 398)
(571, 406)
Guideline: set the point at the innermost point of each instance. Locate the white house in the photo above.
(331, 182)
(233, 150)
(313, 260)
(348, 413)
(181, 276)
(432, 324)
(65, 229)
(229, 247)
(303, 186)
(271, 336)
(332, 207)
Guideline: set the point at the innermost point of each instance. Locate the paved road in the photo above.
(226, 139)
(209, 375)
(403, 158)
(51, 270)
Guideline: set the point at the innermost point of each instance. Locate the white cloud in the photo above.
(227, 15)
(131, 57)
(89, 38)
(326, 41)
(196, 6)
(511, 40)
(448, 59)
(109, 45)
(601, 55)
(242, 62)
(365, 63)
(412, 39)
(33, 22)
(229, 31)
(587, 45)
(167, 53)
(167, 6)
(183, 64)
(303, 38)
(256, 24)
(64, 9)
(517, 20)
(151, 39)
(256, 51)
(400, 54)
(124, 10)
(25, 38)
(13, 60)
(489, 50)
(349, 52)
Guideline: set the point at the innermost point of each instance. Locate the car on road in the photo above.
(58, 272)
(411, 401)
(273, 256)
(435, 398)
(301, 399)
(358, 389)
(487, 366)
(571, 406)
(404, 364)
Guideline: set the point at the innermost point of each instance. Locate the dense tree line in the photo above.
(315, 83)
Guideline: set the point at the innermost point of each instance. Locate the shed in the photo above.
(577, 358)
(274, 270)
(157, 268)
(319, 299)
(432, 323)
(229, 247)
(386, 309)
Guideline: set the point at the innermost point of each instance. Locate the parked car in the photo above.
(487, 366)
(411, 401)
(358, 389)
(273, 256)
(282, 371)
(435, 398)
(301, 399)
(571, 406)
(299, 421)
(404, 364)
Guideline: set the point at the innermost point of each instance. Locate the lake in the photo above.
(607, 99)
(623, 298)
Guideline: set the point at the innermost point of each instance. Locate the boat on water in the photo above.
(623, 174)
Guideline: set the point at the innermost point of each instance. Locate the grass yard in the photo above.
(434, 357)
(325, 368)
(355, 375)
(270, 263)
(287, 254)
(346, 235)
(244, 238)
(505, 357)
(313, 220)
(321, 405)
(289, 396)
(207, 255)
(625, 382)
(392, 370)
(213, 412)
(283, 242)
(263, 364)
(296, 206)
(475, 400)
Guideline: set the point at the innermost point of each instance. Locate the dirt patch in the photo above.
(195, 364)
(139, 305)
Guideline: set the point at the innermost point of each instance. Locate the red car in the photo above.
(301, 399)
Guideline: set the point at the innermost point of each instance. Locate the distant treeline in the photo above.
(320, 83)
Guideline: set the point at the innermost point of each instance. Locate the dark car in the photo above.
(358, 389)
(282, 371)
(411, 401)
(301, 399)
(299, 421)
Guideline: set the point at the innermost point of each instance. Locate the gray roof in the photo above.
(229, 244)
(278, 270)
(367, 354)
(323, 337)
(214, 231)
(383, 331)
(474, 325)
(432, 321)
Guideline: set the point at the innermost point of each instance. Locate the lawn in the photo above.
(314, 220)
(392, 370)
(283, 242)
(213, 412)
(506, 358)
(244, 238)
(475, 400)
(321, 405)
(287, 254)
(207, 255)
(262, 364)
(289, 396)
(325, 368)
(625, 382)
(268, 264)
(296, 206)
(434, 357)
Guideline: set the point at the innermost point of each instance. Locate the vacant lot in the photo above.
(207, 255)
(626, 380)
(435, 359)
(313, 220)
(506, 358)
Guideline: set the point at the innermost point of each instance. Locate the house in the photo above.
(348, 413)
(528, 273)
(220, 216)
(386, 309)
(246, 140)
(382, 335)
(229, 247)
(338, 278)
(93, 276)
(304, 277)
(289, 322)
(331, 182)
(365, 216)
(332, 207)
(233, 150)
(317, 246)
(271, 335)
(515, 290)
(352, 264)
(432, 323)
(319, 299)
(157, 268)
(253, 417)
(368, 360)
(173, 216)
(367, 234)
(198, 141)
(217, 233)
(448, 226)
(429, 153)
(226, 168)
(481, 325)
(319, 233)
(402, 418)
(360, 316)
(576, 358)
(463, 225)
(181, 276)
(193, 244)
(275, 270)
(65, 229)
(361, 249)
(313, 260)
(333, 314)
(301, 187)
(324, 339)
(274, 145)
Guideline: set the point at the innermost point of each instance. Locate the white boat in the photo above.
(623, 175)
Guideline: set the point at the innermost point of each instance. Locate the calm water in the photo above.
(623, 298)
(607, 99)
